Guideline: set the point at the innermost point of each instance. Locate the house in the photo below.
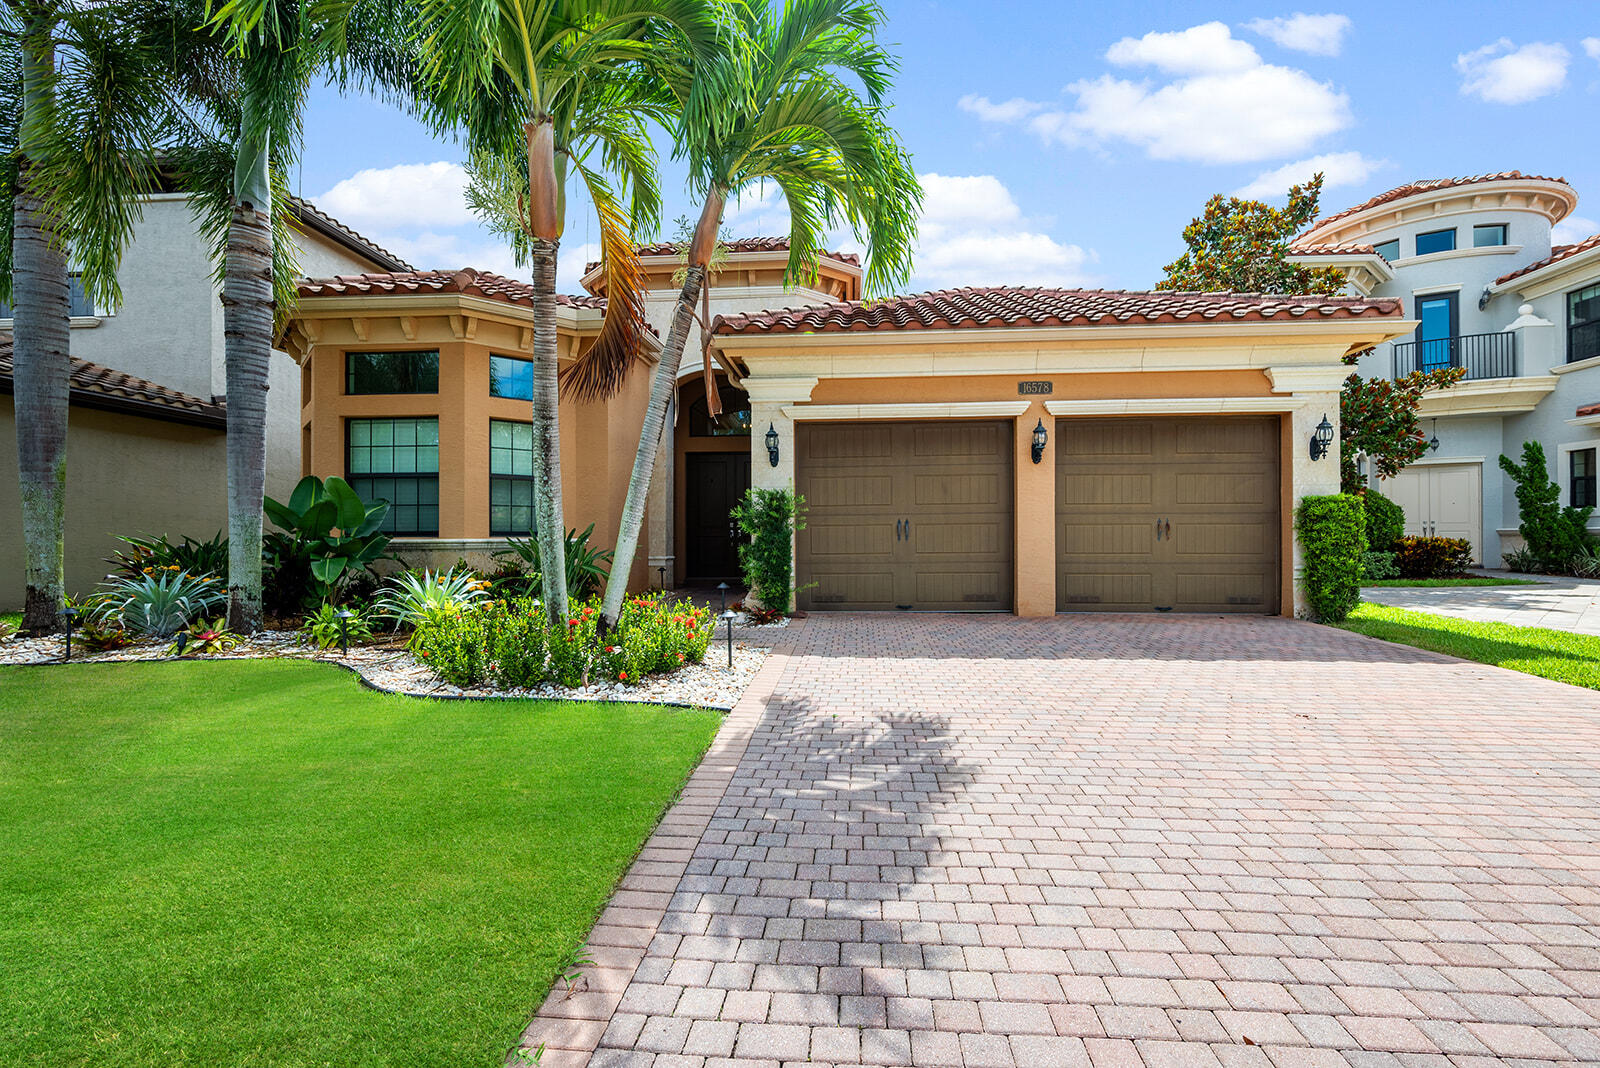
(147, 423)
(1472, 261)
(1022, 450)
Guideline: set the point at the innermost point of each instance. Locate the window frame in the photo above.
(1585, 482)
(1573, 327)
(79, 306)
(349, 373)
(419, 478)
(493, 356)
(1378, 248)
(1455, 244)
(734, 400)
(1505, 235)
(512, 479)
(1452, 298)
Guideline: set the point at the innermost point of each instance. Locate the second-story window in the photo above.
(78, 302)
(1583, 323)
(1436, 241)
(510, 377)
(1489, 235)
(1389, 250)
(1582, 487)
(391, 372)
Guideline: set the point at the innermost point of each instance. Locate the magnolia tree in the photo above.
(1243, 246)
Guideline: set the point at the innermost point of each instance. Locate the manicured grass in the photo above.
(263, 863)
(10, 621)
(1475, 580)
(1550, 654)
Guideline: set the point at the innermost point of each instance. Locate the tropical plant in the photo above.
(1378, 420)
(539, 89)
(1523, 560)
(789, 116)
(143, 555)
(158, 605)
(1552, 533)
(411, 596)
(335, 528)
(81, 104)
(325, 629)
(1332, 531)
(1432, 557)
(770, 518)
(203, 638)
(586, 565)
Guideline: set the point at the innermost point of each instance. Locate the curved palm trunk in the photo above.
(247, 349)
(42, 363)
(549, 518)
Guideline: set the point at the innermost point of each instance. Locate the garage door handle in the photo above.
(1158, 530)
(908, 530)
(1166, 530)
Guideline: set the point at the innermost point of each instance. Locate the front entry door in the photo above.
(717, 482)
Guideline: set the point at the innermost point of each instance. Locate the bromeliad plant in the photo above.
(335, 529)
(157, 605)
(323, 629)
(203, 638)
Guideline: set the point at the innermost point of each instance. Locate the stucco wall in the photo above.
(125, 475)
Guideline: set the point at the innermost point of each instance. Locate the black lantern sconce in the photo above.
(1321, 439)
(1040, 437)
(1433, 439)
(772, 445)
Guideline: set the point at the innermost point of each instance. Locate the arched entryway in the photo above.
(713, 466)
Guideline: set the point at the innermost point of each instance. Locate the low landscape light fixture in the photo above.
(345, 615)
(727, 617)
(68, 615)
(1322, 438)
(1040, 437)
(772, 444)
(722, 588)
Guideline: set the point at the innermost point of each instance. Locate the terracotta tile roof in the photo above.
(1588, 409)
(1428, 185)
(93, 385)
(1019, 306)
(1557, 254)
(314, 218)
(1347, 249)
(467, 281)
(738, 244)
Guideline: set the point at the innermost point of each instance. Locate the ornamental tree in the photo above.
(1378, 417)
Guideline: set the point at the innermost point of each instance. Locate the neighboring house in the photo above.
(1472, 263)
(1023, 450)
(147, 422)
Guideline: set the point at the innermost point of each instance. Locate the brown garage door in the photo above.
(1167, 514)
(905, 515)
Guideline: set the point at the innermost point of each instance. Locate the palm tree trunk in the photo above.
(662, 388)
(41, 352)
(247, 349)
(549, 518)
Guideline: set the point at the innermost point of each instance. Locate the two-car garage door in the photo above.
(1151, 514)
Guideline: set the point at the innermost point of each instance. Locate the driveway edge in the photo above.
(570, 1023)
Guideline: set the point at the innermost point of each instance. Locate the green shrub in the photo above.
(1523, 560)
(157, 605)
(770, 518)
(456, 644)
(414, 595)
(1432, 557)
(1551, 533)
(587, 566)
(1386, 521)
(1333, 535)
(321, 627)
(329, 530)
(1378, 566)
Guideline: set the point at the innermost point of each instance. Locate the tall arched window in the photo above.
(734, 422)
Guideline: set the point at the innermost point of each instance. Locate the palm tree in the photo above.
(552, 86)
(795, 121)
(82, 105)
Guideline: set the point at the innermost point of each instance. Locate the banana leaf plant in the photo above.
(336, 528)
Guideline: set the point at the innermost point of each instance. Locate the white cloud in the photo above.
(1319, 35)
(1224, 105)
(1205, 49)
(972, 232)
(1008, 111)
(1572, 229)
(1501, 73)
(1336, 168)
(760, 212)
(405, 195)
(1591, 47)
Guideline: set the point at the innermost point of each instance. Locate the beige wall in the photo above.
(125, 475)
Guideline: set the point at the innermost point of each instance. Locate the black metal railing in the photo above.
(1483, 355)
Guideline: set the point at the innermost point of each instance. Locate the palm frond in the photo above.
(600, 370)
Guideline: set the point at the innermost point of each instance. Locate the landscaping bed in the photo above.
(1550, 654)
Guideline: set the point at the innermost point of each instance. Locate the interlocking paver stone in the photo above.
(1115, 840)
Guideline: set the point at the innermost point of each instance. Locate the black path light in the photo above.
(69, 614)
(727, 618)
(1040, 438)
(345, 615)
(1322, 438)
(722, 588)
(772, 444)
(661, 573)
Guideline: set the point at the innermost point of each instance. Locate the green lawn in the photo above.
(1550, 654)
(1475, 580)
(262, 863)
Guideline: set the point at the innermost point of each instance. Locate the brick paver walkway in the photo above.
(1151, 841)
(1555, 602)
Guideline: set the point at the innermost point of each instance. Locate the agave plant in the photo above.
(157, 605)
(412, 597)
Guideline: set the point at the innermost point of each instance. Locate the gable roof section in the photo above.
(93, 385)
(1428, 185)
(467, 281)
(311, 217)
(1346, 249)
(1557, 254)
(1021, 306)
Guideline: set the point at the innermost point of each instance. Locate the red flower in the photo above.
(611, 648)
(623, 675)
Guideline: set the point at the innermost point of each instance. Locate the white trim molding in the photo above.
(1576, 365)
(1321, 379)
(1487, 396)
(1172, 406)
(1445, 461)
(865, 412)
(779, 390)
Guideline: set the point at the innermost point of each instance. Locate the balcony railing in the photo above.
(1483, 355)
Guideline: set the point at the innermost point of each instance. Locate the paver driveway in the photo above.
(1136, 840)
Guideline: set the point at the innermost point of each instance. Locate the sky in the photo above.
(1068, 143)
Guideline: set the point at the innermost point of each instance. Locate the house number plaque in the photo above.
(1033, 389)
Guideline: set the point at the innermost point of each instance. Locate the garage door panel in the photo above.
(1220, 441)
(864, 441)
(958, 442)
(1222, 538)
(850, 540)
(955, 489)
(1107, 590)
(1221, 591)
(959, 590)
(1128, 439)
(1105, 539)
(1241, 488)
(961, 539)
(852, 492)
(848, 589)
(1110, 488)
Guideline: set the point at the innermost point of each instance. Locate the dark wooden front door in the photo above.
(717, 482)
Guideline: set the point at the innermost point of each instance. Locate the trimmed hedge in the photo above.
(1386, 521)
(1333, 537)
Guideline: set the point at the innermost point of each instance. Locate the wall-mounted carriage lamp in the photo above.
(1040, 438)
(772, 444)
(1321, 439)
(1433, 439)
